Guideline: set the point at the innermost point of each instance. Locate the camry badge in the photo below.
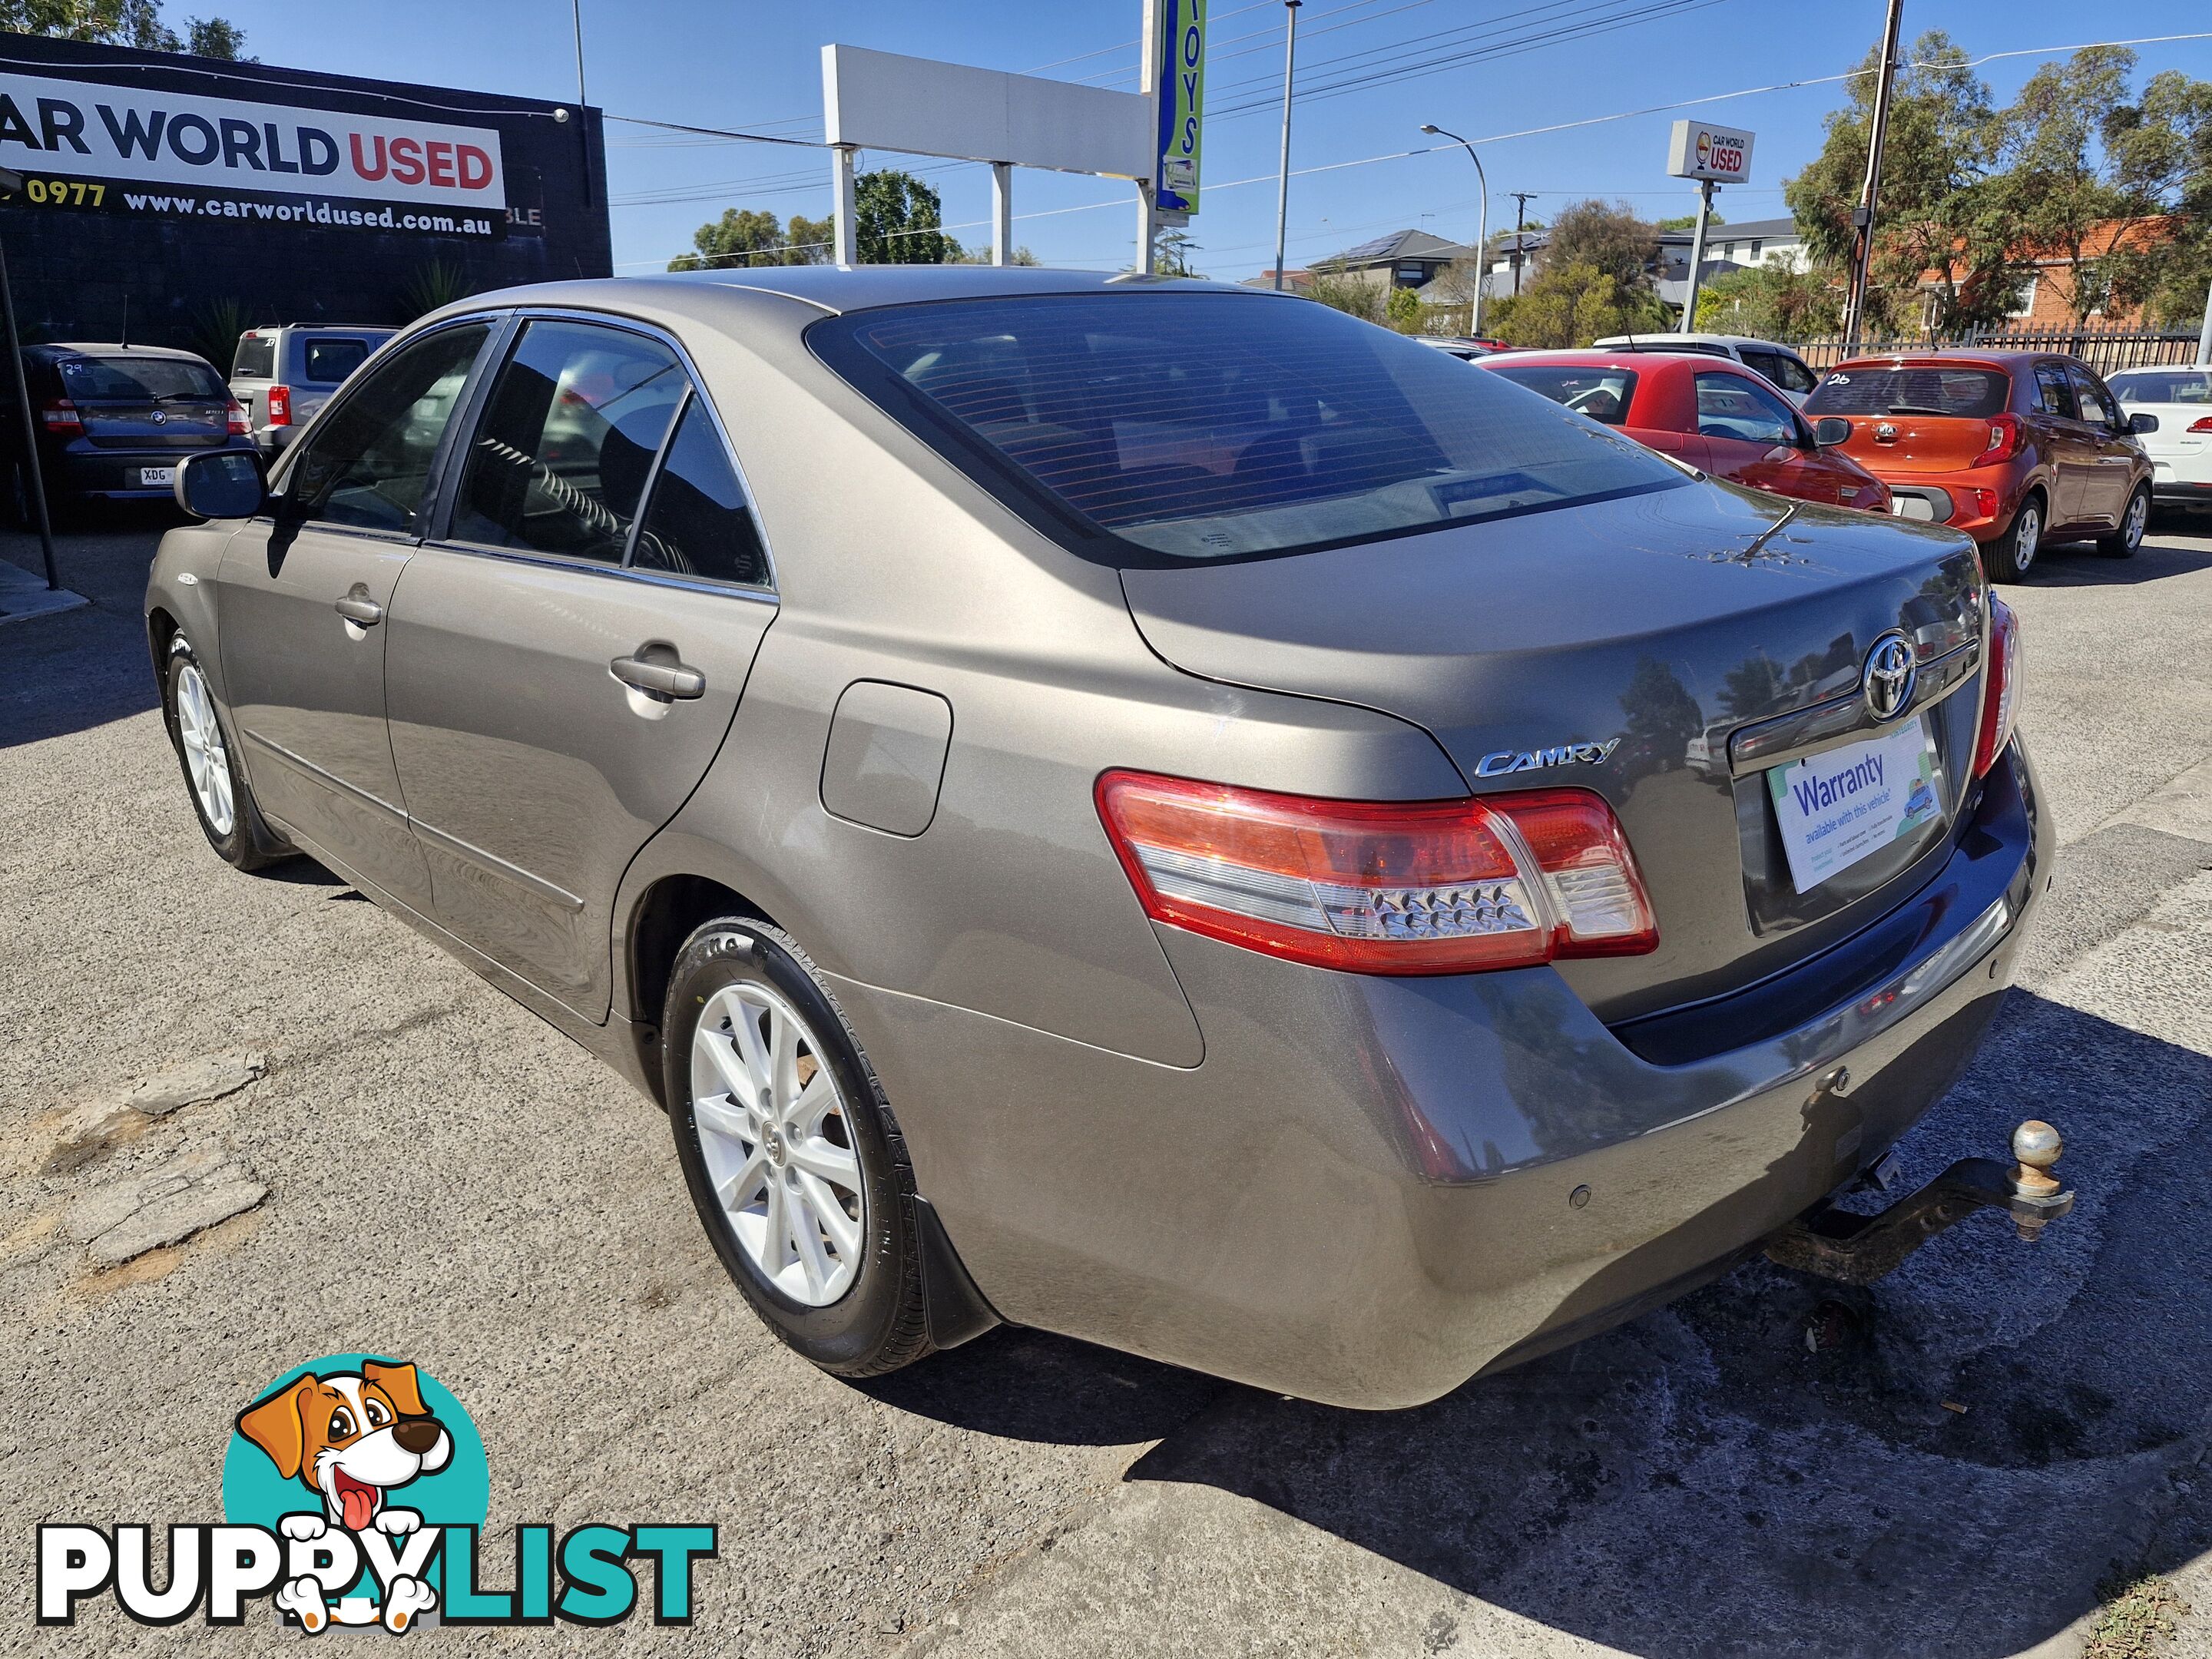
(1531, 760)
(1886, 681)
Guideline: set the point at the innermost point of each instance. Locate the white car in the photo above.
(2180, 451)
(1778, 363)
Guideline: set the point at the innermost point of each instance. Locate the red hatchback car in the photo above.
(1717, 418)
(2017, 448)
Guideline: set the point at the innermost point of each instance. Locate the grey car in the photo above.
(1144, 809)
(283, 374)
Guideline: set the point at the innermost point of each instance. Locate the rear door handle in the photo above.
(662, 679)
(357, 607)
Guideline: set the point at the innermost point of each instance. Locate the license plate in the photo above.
(152, 478)
(1912, 506)
(1845, 804)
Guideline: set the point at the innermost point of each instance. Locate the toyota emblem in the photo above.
(1886, 681)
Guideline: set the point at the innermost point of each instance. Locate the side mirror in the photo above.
(1829, 430)
(222, 483)
(2140, 423)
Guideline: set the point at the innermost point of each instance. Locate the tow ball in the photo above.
(1857, 1249)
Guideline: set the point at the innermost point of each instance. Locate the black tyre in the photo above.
(2009, 557)
(794, 1162)
(2129, 534)
(221, 800)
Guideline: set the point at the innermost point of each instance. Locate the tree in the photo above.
(1687, 222)
(1937, 212)
(1350, 295)
(1171, 254)
(2060, 189)
(981, 256)
(897, 220)
(1402, 311)
(2159, 154)
(1574, 305)
(1608, 235)
(1772, 301)
(123, 23)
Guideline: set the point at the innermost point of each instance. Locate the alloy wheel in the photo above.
(777, 1143)
(207, 757)
(2027, 535)
(2138, 518)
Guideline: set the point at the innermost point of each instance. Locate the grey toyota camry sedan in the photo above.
(1153, 810)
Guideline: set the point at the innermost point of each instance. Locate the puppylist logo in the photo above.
(355, 1490)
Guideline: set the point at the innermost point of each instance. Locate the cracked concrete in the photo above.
(452, 1183)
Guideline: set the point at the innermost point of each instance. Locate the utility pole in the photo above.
(1862, 215)
(1283, 179)
(576, 15)
(1521, 199)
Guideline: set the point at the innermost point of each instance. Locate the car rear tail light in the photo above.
(2202, 423)
(2000, 686)
(2007, 437)
(239, 426)
(62, 419)
(1382, 887)
(279, 399)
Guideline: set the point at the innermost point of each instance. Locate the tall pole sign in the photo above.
(1181, 49)
(1862, 215)
(1712, 155)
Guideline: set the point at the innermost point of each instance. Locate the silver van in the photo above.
(283, 373)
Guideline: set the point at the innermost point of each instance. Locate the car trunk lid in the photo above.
(1916, 416)
(148, 403)
(1653, 628)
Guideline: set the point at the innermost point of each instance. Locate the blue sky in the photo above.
(742, 65)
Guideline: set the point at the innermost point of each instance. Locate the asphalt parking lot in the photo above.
(1967, 1460)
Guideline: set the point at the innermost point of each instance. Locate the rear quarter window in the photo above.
(1155, 428)
(1911, 389)
(327, 361)
(1603, 394)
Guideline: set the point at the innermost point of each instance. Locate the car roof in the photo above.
(268, 329)
(95, 348)
(1755, 343)
(1957, 357)
(1597, 357)
(859, 287)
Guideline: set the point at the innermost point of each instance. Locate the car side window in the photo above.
(1795, 376)
(698, 523)
(559, 461)
(367, 463)
(2096, 403)
(2054, 394)
(1735, 406)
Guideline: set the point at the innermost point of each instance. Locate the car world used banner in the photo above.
(84, 129)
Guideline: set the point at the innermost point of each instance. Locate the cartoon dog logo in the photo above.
(351, 1437)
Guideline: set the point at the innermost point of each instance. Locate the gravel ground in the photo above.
(442, 1176)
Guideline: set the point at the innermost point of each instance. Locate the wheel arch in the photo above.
(656, 924)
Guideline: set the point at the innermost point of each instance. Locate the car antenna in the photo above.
(125, 340)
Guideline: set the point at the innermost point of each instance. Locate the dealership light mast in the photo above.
(1283, 177)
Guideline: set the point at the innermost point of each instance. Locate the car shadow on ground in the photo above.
(1705, 1481)
(2084, 567)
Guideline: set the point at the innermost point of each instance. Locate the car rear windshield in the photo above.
(2162, 385)
(255, 359)
(1603, 394)
(330, 362)
(1150, 428)
(1911, 389)
(139, 380)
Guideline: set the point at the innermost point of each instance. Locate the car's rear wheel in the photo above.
(793, 1160)
(2129, 534)
(2009, 557)
(222, 799)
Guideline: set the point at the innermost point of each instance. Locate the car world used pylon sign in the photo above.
(1181, 82)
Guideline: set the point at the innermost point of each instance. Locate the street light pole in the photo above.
(1283, 179)
(1481, 225)
(11, 184)
(1862, 215)
(576, 15)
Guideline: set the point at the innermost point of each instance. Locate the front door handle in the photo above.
(660, 679)
(357, 608)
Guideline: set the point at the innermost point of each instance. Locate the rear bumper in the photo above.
(1371, 1189)
(2179, 492)
(115, 474)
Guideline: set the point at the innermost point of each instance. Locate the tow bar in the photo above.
(1857, 1249)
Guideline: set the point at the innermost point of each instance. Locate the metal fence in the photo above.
(2105, 350)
